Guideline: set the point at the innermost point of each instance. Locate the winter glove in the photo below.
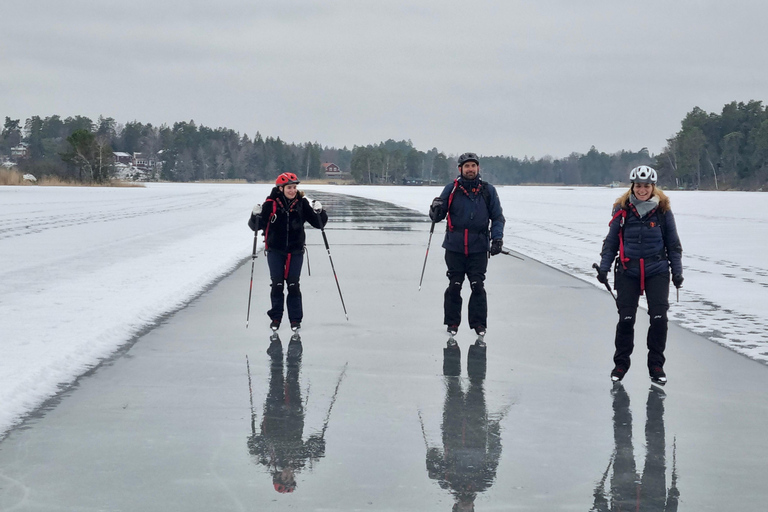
(496, 246)
(602, 276)
(257, 209)
(317, 206)
(436, 209)
(677, 280)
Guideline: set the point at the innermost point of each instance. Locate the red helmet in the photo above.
(283, 488)
(287, 178)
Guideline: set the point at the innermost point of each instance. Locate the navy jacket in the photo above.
(475, 205)
(644, 238)
(283, 221)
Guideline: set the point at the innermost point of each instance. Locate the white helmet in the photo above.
(642, 174)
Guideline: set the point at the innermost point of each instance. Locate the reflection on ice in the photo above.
(466, 464)
(280, 445)
(628, 490)
(367, 214)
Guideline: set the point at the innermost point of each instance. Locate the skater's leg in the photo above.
(276, 264)
(293, 302)
(477, 264)
(657, 293)
(452, 297)
(627, 297)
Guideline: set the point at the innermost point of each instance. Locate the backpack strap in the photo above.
(272, 218)
(621, 215)
(450, 201)
(486, 193)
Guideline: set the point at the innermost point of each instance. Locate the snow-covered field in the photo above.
(84, 269)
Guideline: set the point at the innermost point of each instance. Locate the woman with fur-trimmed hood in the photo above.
(282, 218)
(643, 233)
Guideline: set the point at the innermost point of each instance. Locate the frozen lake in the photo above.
(368, 420)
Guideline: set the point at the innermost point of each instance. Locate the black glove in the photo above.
(496, 246)
(602, 276)
(677, 280)
(436, 209)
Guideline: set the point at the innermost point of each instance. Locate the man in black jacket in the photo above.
(469, 206)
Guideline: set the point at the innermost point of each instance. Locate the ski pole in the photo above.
(250, 290)
(508, 253)
(327, 248)
(431, 230)
(608, 286)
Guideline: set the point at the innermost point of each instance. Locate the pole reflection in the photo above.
(279, 445)
(466, 464)
(628, 490)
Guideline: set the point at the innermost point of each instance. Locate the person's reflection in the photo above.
(628, 490)
(467, 463)
(280, 446)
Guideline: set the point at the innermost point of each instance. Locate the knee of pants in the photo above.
(454, 286)
(293, 285)
(277, 285)
(477, 286)
(658, 318)
(626, 319)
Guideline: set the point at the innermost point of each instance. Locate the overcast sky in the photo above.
(498, 78)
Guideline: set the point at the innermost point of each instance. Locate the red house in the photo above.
(331, 170)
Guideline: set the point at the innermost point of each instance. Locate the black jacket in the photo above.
(650, 238)
(282, 221)
(475, 206)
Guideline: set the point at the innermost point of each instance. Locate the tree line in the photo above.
(716, 151)
(711, 151)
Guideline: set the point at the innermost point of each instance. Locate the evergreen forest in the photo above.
(726, 150)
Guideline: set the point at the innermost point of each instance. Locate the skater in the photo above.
(643, 233)
(469, 205)
(282, 218)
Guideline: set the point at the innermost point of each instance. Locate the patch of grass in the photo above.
(11, 177)
(14, 177)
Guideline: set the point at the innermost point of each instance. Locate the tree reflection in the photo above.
(280, 445)
(628, 490)
(466, 464)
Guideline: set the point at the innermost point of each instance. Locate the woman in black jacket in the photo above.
(643, 233)
(282, 218)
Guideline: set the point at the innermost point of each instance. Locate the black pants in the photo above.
(627, 297)
(473, 267)
(285, 268)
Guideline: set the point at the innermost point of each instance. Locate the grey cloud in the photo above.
(506, 78)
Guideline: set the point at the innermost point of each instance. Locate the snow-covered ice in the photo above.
(85, 269)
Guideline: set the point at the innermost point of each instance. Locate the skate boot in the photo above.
(657, 375)
(618, 373)
(480, 330)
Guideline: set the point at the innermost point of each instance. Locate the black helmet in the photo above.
(468, 157)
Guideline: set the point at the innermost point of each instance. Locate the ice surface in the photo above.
(85, 269)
